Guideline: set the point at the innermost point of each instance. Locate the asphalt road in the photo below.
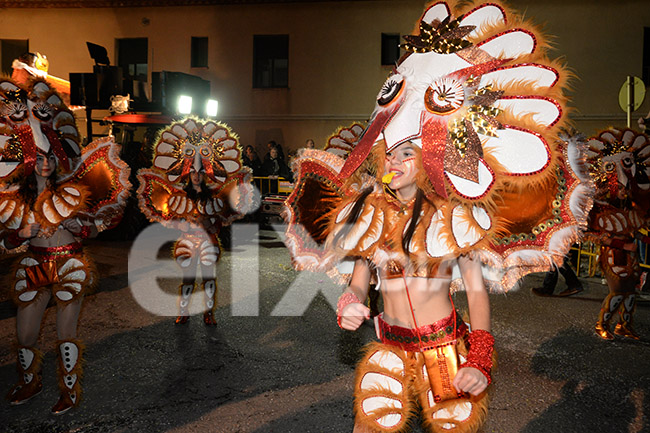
(261, 370)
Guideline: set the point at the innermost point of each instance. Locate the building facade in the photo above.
(292, 70)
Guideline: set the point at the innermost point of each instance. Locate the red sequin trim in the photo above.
(441, 331)
(481, 346)
(53, 253)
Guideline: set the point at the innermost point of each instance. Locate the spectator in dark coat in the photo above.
(275, 166)
(253, 161)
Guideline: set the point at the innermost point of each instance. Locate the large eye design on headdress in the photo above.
(15, 110)
(444, 96)
(189, 151)
(205, 151)
(391, 89)
(627, 161)
(42, 111)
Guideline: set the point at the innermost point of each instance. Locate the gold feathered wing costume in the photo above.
(205, 145)
(477, 93)
(92, 182)
(619, 161)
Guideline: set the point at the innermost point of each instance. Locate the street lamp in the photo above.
(185, 104)
(212, 107)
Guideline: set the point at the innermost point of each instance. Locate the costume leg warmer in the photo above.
(184, 294)
(625, 313)
(70, 372)
(611, 303)
(210, 297)
(28, 365)
(463, 415)
(383, 400)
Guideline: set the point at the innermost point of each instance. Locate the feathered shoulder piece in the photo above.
(96, 190)
(106, 177)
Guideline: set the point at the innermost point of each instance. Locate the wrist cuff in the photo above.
(344, 300)
(481, 346)
(84, 233)
(15, 240)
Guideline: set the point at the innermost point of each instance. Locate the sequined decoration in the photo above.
(462, 155)
(542, 227)
(13, 151)
(446, 38)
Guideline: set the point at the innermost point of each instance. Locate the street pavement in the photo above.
(262, 370)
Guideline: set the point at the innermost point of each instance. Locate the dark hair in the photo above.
(202, 196)
(415, 218)
(355, 212)
(29, 187)
(354, 215)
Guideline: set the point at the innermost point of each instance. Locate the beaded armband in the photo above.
(15, 240)
(481, 346)
(345, 300)
(84, 233)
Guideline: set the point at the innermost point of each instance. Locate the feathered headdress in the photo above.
(33, 120)
(199, 144)
(477, 93)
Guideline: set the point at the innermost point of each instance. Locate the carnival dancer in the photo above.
(197, 185)
(619, 161)
(54, 195)
(459, 181)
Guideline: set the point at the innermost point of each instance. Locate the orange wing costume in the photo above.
(210, 148)
(478, 94)
(619, 160)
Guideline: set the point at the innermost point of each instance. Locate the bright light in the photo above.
(212, 108)
(185, 104)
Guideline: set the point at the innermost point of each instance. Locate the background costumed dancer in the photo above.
(197, 184)
(459, 181)
(54, 194)
(619, 160)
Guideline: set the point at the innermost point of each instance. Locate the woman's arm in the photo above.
(474, 374)
(80, 229)
(351, 311)
(477, 296)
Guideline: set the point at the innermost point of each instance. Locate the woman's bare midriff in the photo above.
(429, 297)
(59, 238)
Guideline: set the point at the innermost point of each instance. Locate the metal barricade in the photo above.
(589, 252)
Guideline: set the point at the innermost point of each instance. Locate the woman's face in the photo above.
(196, 177)
(249, 152)
(402, 161)
(45, 165)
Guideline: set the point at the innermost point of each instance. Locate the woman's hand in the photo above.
(72, 225)
(29, 231)
(353, 315)
(470, 379)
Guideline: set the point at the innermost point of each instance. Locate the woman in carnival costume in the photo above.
(619, 160)
(54, 195)
(459, 181)
(197, 184)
